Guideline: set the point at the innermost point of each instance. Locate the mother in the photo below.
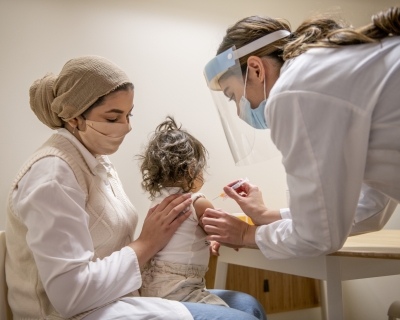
(70, 226)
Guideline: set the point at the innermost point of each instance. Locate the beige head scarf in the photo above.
(80, 83)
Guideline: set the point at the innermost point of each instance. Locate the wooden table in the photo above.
(374, 254)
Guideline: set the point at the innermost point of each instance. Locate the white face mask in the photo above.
(104, 138)
(254, 117)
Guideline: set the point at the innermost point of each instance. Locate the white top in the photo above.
(334, 114)
(70, 267)
(188, 245)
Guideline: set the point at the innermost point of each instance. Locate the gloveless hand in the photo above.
(250, 200)
(159, 226)
(227, 229)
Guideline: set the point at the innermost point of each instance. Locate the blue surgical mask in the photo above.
(254, 117)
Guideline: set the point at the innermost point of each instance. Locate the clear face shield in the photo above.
(245, 128)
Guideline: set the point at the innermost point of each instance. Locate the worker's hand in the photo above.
(214, 248)
(159, 225)
(250, 200)
(227, 229)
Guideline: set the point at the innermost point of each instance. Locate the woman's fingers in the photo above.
(171, 207)
(179, 220)
(216, 213)
(224, 228)
(245, 187)
(173, 210)
(232, 193)
(173, 200)
(149, 213)
(212, 229)
(233, 183)
(160, 225)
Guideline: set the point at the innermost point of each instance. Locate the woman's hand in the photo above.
(159, 226)
(228, 230)
(250, 200)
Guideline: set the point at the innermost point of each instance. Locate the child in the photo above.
(173, 162)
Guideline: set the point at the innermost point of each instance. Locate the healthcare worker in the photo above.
(70, 227)
(328, 97)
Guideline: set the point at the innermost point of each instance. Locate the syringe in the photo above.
(235, 186)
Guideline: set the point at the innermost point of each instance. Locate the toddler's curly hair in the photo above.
(172, 157)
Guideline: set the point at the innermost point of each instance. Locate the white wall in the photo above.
(163, 46)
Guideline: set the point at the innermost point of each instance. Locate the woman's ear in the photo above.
(73, 123)
(77, 123)
(256, 69)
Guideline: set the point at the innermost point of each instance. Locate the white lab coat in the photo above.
(335, 116)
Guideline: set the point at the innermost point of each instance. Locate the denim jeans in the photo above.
(242, 307)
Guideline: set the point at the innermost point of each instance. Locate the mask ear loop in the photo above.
(265, 95)
(245, 81)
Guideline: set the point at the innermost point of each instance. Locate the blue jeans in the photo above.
(242, 307)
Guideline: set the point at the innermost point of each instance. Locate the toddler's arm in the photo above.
(200, 205)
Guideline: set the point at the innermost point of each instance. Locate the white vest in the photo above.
(112, 223)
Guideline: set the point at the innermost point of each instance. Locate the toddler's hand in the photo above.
(214, 248)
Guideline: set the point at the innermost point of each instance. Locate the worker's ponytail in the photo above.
(327, 33)
(384, 24)
(318, 32)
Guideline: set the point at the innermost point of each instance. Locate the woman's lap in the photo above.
(242, 306)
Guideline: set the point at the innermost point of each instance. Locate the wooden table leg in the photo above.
(334, 289)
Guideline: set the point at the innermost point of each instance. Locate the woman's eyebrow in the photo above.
(115, 111)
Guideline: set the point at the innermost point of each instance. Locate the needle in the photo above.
(221, 195)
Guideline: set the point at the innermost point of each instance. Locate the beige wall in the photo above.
(163, 46)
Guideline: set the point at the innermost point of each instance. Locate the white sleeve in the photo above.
(285, 213)
(373, 211)
(51, 204)
(324, 143)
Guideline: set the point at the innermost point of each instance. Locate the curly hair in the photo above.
(173, 157)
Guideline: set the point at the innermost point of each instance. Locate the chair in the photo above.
(5, 312)
(394, 310)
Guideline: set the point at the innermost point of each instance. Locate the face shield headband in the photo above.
(217, 66)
